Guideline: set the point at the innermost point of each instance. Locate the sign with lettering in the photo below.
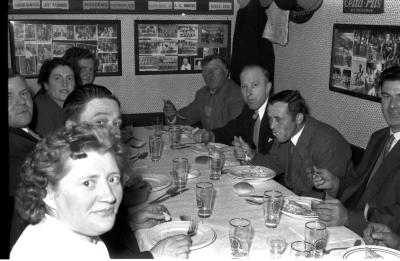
(205, 7)
(363, 6)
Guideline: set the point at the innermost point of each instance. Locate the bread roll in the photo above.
(243, 188)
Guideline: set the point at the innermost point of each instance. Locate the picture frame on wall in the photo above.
(359, 55)
(178, 47)
(34, 41)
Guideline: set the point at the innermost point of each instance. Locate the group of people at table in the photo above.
(67, 159)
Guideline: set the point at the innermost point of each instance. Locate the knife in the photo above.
(251, 196)
(169, 196)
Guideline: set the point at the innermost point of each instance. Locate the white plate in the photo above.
(204, 236)
(251, 173)
(201, 147)
(303, 201)
(157, 182)
(358, 253)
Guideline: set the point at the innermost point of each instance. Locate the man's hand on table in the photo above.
(331, 212)
(147, 217)
(381, 235)
(177, 246)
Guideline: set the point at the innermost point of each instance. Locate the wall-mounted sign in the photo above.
(363, 6)
(205, 7)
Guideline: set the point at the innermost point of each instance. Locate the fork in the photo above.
(192, 228)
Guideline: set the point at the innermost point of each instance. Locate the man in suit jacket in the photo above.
(302, 145)
(372, 192)
(21, 140)
(255, 87)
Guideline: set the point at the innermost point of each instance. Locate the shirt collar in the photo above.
(396, 137)
(261, 110)
(296, 137)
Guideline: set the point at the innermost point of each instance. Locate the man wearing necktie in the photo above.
(20, 139)
(301, 143)
(372, 191)
(252, 124)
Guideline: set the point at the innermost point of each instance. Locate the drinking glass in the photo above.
(272, 206)
(180, 169)
(216, 164)
(204, 197)
(175, 136)
(157, 125)
(239, 237)
(316, 234)
(155, 147)
(301, 250)
(276, 246)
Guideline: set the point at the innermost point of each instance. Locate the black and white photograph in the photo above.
(108, 31)
(85, 32)
(60, 32)
(30, 32)
(46, 39)
(360, 53)
(59, 48)
(43, 32)
(185, 63)
(179, 47)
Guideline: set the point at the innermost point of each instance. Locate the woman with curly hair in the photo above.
(70, 192)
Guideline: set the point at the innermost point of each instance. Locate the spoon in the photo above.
(356, 243)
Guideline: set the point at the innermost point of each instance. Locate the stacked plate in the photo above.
(204, 236)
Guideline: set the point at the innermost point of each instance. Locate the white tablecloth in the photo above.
(228, 205)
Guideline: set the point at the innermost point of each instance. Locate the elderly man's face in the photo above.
(214, 74)
(391, 104)
(20, 105)
(255, 87)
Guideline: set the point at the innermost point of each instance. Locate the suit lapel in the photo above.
(22, 133)
(382, 174)
(372, 157)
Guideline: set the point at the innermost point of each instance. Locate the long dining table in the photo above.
(227, 205)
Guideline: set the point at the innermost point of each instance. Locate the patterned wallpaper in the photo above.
(303, 64)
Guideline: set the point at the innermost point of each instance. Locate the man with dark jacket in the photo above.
(371, 193)
(252, 123)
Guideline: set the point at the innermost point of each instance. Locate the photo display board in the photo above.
(34, 41)
(171, 47)
(359, 55)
